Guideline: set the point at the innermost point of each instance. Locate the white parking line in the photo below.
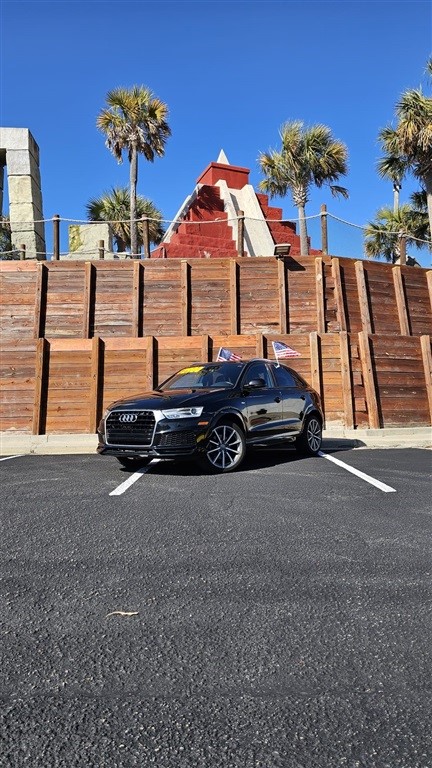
(362, 475)
(17, 455)
(132, 479)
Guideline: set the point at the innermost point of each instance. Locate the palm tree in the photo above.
(307, 156)
(383, 237)
(114, 207)
(408, 147)
(135, 121)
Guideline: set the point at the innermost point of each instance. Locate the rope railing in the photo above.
(21, 252)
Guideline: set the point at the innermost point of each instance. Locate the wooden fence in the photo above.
(176, 297)
(62, 385)
(75, 336)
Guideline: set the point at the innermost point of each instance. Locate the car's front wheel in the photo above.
(133, 462)
(225, 448)
(309, 441)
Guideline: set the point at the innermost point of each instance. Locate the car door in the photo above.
(293, 398)
(263, 405)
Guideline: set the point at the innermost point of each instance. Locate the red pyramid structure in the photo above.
(206, 225)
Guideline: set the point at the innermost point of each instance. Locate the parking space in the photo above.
(275, 616)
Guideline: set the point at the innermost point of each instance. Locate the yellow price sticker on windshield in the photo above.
(192, 369)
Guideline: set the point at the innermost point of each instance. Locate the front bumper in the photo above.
(170, 439)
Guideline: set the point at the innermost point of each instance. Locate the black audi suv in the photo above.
(212, 412)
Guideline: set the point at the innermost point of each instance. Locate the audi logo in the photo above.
(128, 418)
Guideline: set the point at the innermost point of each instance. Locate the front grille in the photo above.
(139, 432)
(177, 440)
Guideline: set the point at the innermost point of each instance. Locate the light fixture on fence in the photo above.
(282, 249)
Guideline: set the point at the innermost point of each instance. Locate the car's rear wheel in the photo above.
(133, 462)
(225, 448)
(309, 441)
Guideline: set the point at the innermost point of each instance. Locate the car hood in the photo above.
(169, 399)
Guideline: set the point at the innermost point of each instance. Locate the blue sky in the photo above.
(231, 73)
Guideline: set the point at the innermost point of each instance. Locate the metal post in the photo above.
(22, 250)
(146, 237)
(56, 237)
(324, 233)
(101, 249)
(240, 233)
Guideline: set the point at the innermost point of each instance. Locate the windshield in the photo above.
(203, 376)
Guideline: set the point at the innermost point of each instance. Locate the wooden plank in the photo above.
(338, 293)
(233, 291)
(425, 342)
(88, 309)
(151, 376)
(205, 348)
(363, 297)
(315, 362)
(95, 385)
(40, 393)
(40, 301)
(429, 284)
(137, 294)
(259, 347)
(347, 394)
(401, 302)
(184, 297)
(319, 288)
(282, 291)
(368, 380)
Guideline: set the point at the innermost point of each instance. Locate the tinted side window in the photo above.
(259, 371)
(284, 377)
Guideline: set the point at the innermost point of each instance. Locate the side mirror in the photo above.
(255, 384)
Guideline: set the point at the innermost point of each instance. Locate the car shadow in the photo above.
(256, 458)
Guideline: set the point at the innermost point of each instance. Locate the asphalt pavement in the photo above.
(274, 617)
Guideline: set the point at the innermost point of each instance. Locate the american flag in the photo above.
(225, 354)
(282, 350)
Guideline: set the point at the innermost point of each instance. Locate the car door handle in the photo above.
(277, 399)
(302, 397)
(261, 412)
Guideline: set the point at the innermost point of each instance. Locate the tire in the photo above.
(309, 441)
(225, 448)
(134, 462)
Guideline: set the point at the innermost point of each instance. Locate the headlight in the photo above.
(182, 413)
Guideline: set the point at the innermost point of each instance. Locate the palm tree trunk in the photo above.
(428, 187)
(304, 244)
(133, 189)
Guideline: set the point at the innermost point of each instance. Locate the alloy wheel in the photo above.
(313, 435)
(225, 447)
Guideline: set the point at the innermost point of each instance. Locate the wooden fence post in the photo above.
(205, 347)
(185, 296)
(151, 373)
(316, 364)
(363, 297)
(89, 293)
(368, 380)
(56, 237)
(102, 249)
(240, 233)
(233, 279)
(259, 345)
(282, 290)
(41, 389)
(324, 233)
(347, 394)
(425, 342)
(319, 286)
(96, 384)
(339, 297)
(40, 300)
(401, 301)
(22, 250)
(137, 299)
